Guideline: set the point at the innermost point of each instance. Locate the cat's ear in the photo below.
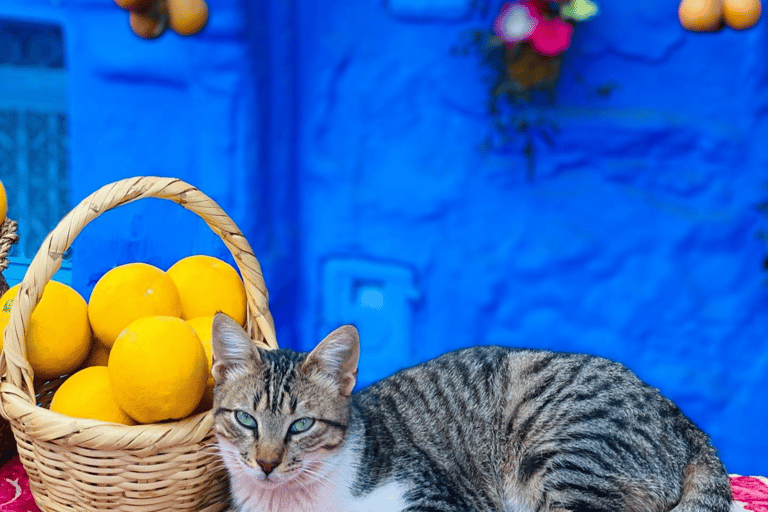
(231, 346)
(337, 357)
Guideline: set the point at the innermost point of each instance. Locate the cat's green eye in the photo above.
(245, 419)
(302, 425)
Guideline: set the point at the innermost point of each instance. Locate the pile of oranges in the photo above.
(139, 351)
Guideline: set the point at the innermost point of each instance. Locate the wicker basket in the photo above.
(8, 237)
(77, 464)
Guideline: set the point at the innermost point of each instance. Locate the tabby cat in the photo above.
(482, 429)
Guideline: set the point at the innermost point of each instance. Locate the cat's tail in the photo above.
(706, 487)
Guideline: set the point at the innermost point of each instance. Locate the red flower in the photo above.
(551, 36)
(529, 20)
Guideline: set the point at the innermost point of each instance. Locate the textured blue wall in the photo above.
(336, 130)
(197, 109)
(637, 238)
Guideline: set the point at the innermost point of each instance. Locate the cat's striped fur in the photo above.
(486, 429)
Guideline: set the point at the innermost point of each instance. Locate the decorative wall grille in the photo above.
(33, 133)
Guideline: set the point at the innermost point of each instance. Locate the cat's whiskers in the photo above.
(306, 488)
(315, 476)
(319, 471)
(314, 480)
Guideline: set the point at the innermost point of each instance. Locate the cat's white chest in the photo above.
(388, 498)
(385, 499)
(325, 498)
(332, 494)
(335, 494)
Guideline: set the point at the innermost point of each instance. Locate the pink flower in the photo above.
(528, 20)
(517, 21)
(551, 36)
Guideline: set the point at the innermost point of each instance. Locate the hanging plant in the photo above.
(524, 47)
(534, 34)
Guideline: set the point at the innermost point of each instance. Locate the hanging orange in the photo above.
(187, 17)
(701, 15)
(151, 21)
(134, 5)
(741, 14)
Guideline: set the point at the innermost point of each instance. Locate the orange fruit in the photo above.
(134, 5)
(58, 336)
(203, 326)
(208, 285)
(701, 15)
(6, 303)
(187, 17)
(98, 356)
(149, 22)
(158, 369)
(88, 394)
(127, 293)
(741, 14)
(3, 203)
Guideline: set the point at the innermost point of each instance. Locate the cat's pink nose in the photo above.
(268, 465)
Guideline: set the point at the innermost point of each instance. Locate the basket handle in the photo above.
(13, 361)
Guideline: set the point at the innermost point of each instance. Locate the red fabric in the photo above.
(14, 488)
(750, 492)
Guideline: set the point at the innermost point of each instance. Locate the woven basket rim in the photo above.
(79, 431)
(8, 237)
(17, 391)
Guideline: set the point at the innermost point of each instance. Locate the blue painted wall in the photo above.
(637, 238)
(347, 131)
